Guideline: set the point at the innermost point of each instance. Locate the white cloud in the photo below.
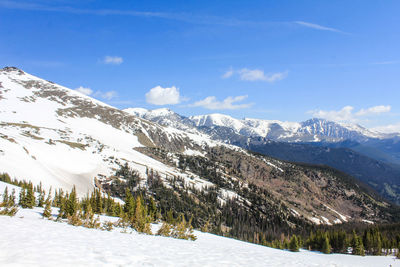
(346, 114)
(374, 110)
(259, 75)
(228, 74)
(113, 60)
(391, 128)
(317, 26)
(99, 94)
(255, 75)
(106, 95)
(163, 96)
(212, 103)
(84, 90)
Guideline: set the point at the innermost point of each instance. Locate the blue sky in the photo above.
(285, 60)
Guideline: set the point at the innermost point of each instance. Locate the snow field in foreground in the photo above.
(29, 240)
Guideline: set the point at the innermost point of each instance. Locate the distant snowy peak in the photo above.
(138, 112)
(342, 131)
(164, 117)
(313, 130)
(217, 120)
(149, 114)
(246, 127)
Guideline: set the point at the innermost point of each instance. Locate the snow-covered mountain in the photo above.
(313, 130)
(59, 137)
(285, 140)
(310, 130)
(165, 117)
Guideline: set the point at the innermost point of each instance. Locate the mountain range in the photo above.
(61, 138)
(370, 156)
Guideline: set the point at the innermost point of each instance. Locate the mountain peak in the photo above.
(12, 69)
(162, 111)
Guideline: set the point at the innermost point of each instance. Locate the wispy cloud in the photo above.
(347, 114)
(390, 128)
(255, 75)
(108, 95)
(84, 90)
(374, 110)
(212, 103)
(113, 60)
(228, 74)
(386, 62)
(317, 26)
(185, 17)
(259, 75)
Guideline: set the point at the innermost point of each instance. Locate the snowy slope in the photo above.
(57, 136)
(165, 117)
(28, 240)
(54, 135)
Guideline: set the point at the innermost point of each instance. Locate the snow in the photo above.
(295, 212)
(368, 221)
(273, 165)
(326, 220)
(80, 149)
(343, 217)
(140, 112)
(315, 220)
(148, 114)
(10, 188)
(191, 152)
(310, 130)
(29, 240)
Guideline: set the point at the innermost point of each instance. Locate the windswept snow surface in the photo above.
(29, 240)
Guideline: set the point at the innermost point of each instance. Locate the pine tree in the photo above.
(22, 198)
(47, 207)
(357, 245)
(179, 230)
(11, 199)
(342, 242)
(41, 200)
(285, 244)
(5, 197)
(294, 244)
(170, 217)
(326, 247)
(377, 242)
(89, 220)
(117, 210)
(129, 207)
(98, 202)
(152, 211)
(140, 220)
(62, 214)
(165, 229)
(72, 204)
(206, 227)
(30, 200)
